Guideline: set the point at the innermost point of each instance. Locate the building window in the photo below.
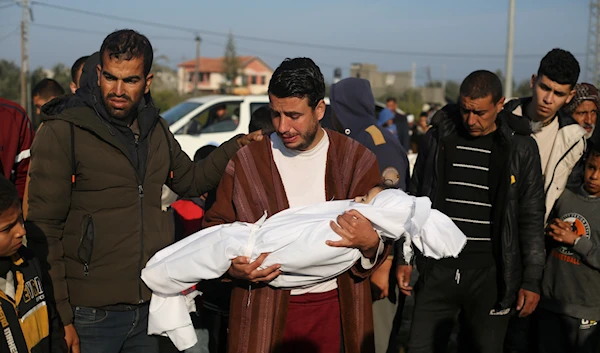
(263, 80)
(202, 77)
(253, 79)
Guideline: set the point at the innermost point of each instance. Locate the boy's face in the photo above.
(592, 175)
(12, 231)
(369, 196)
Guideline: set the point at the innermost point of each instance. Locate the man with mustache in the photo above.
(300, 164)
(584, 109)
(99, 162)
(561, 143)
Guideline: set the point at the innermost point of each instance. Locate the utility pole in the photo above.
(25, 53)
(197, 72)
(413, 71)
(508, 85)
(592, 60)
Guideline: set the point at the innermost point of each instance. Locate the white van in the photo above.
(195, 122)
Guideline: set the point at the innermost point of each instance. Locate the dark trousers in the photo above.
(561, 333)
(102, 331)
(441, 294)
(520, 336)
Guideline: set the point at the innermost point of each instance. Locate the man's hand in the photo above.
(356, 232)
(562, 232)
(403, 273)
(253, 136)
(72, 339)
(380, 280)
(527, 302)
(241, 268)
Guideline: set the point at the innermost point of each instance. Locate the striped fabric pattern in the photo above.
(467, 195)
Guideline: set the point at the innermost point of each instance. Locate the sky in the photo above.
(461, 33)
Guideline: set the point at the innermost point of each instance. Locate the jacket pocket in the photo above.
(86, 243)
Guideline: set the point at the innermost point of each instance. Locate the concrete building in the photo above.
(383, 82)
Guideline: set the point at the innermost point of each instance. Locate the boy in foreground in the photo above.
(25, 314)
(570, 305)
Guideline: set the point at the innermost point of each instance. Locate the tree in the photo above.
(411, 101)
(500, 75)
(62, 75)
(10, 80)
(452, 91)
(523, 89)
(231, 64)
(165, 99)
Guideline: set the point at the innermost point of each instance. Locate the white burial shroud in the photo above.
(295, 239)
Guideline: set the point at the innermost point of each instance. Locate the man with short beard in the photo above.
(99, 162)
(300, 164)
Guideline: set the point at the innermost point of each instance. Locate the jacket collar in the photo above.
(516, 107)
(448, 120)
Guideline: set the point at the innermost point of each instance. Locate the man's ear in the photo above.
(73, 87)
(571, 95)
(148, 82)
(98, 72)
(500, 104)
(320, 109)
(532, 82)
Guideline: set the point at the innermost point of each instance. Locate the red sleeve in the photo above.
(22, 158)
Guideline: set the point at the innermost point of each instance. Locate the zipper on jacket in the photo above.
(556, 167)
(141, 196)
(141, 199)
(86, 263)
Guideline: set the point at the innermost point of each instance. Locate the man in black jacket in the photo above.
(487, 179)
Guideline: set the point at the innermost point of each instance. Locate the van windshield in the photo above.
(179, 111)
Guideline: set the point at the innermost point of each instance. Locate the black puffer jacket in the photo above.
(517, 194)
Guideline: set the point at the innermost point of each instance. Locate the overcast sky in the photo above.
(462, 33)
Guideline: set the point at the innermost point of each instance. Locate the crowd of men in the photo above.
(521, 179)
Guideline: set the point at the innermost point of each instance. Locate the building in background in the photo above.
(253, 79)
(382, 82)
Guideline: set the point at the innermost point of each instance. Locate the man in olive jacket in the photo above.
(98, 166)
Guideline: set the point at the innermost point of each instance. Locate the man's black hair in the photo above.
(203, 152)
(423, 114)
(480, 84)
(391, 99)
(127, 44)
(9, 197)
(300, 78)
(560, 66)
(261, 120)
(77, 65)
(47, 88)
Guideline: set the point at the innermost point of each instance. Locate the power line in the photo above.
(7, 5)
(103, 33)
(9, 34)
(218, 44)
(287, 42)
